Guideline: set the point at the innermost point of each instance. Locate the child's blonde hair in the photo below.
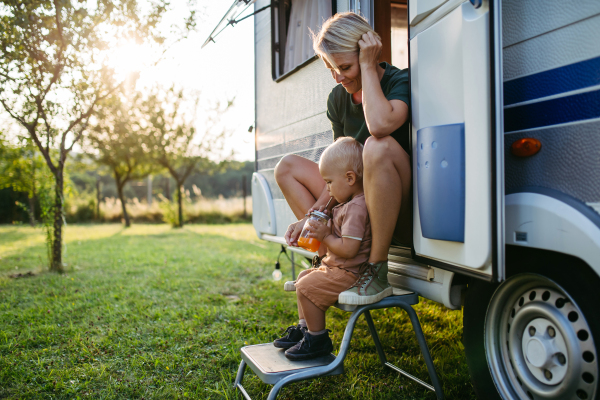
(345, 152)
(340, 34)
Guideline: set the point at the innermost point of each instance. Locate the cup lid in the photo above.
(320, 214)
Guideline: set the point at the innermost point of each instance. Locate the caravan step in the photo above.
(270, 365)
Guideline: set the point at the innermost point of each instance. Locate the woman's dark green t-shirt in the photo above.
(348, 119)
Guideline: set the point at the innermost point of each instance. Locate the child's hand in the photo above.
(318, 230)
(320, 209)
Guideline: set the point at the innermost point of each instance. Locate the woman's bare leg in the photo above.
(300, 181)
(387, 179)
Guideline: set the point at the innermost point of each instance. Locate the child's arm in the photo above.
(341, 246)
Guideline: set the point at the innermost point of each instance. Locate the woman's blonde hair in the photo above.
(340, 34)
(345, 152)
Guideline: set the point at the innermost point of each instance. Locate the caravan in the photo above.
(505, 139)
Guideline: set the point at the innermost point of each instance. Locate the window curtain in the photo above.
(304, 15)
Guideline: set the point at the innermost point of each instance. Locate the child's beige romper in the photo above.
(323, 285)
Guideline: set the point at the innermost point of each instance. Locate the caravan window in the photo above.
(291, 23)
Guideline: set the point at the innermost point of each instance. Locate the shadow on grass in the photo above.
(13, 235)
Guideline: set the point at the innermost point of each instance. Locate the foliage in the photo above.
(160, 313)
(170, 116)
(227, 181)
(121, 142)
(170, 214)
(53, 72)
(23, 170)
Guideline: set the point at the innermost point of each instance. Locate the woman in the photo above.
(370, 104)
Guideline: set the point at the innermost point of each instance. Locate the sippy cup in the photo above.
(311, 244)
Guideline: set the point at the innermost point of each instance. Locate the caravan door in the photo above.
(457, 140)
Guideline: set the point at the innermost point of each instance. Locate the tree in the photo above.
(52, 73)
(22, 169)
(120, 144)
(173, 139)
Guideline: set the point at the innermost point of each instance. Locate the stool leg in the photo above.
(425, 351)
(375, 337)
(240, 374)
(293, 267)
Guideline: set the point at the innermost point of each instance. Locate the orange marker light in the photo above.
(525, 147)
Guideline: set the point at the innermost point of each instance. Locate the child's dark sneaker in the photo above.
(311, 346)
(292, 335)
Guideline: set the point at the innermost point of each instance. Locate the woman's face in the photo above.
(348, 72)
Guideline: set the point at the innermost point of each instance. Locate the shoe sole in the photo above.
(356, 300)
(303, 357)
(289, 286)
(284, 346)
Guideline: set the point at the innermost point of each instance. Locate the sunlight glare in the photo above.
(131, 58)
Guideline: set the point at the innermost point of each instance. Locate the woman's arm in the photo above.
(383, 116)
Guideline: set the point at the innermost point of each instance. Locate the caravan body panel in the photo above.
(552, 93)
(290, 115)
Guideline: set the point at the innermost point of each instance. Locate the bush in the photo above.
(81, 208)
(170, 213)
(81, 211)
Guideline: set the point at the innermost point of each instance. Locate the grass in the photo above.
(154, 312)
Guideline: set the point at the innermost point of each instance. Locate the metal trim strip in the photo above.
(567, 109)
(555, 81)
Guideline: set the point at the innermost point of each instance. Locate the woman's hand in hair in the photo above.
(370, 50)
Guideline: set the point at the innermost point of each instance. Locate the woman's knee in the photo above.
(284, 167)
(378, 149)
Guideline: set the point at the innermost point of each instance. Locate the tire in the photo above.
(536, 335)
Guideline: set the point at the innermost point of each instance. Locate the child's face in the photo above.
(339, 182)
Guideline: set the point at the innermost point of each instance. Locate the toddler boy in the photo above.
(348, 241)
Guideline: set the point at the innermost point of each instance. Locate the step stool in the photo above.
(271, 366)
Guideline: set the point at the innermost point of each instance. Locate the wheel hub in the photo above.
(538, 343)
(544, 351)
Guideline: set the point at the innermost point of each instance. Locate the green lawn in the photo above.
(154, 312)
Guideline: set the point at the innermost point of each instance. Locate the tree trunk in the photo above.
(168, 194)
(180, 204)
(121, 197)
(56, 265)
(31, 195)
(244, 194)
(31, 209)
(98, 200)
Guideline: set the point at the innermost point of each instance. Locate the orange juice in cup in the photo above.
(311, 244)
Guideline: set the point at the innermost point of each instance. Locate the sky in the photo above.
(220, 71)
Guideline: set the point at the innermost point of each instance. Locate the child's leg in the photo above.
(314, 316)
(300, 312)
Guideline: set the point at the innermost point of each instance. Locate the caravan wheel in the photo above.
(528, 338)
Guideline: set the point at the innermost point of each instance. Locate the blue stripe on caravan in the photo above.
(559, 80)
(552, 112)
